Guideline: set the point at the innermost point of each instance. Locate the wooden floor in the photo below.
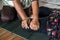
(6, 35)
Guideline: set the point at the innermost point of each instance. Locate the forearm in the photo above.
(19, 9)
(35, 9)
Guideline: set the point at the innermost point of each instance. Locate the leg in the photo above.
(8, 14)
(44, 11)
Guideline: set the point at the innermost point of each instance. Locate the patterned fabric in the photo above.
(53, 26)
(25, 3)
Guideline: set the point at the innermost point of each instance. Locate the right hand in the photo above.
(34, 25)
(25, 23)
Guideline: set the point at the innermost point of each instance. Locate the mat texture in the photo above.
(15, 27)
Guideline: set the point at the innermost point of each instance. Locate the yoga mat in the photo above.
(15, 27)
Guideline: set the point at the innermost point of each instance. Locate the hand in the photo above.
(25, 23)
(34, 25)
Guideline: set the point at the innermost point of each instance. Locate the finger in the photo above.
(34, 27)
(26, 26)
(23, 26)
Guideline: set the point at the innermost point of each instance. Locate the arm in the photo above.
(19, 9)
(34, 25)
(35, 9)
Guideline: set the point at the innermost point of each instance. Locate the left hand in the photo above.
(34, 25)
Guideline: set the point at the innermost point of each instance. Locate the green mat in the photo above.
(15, 27)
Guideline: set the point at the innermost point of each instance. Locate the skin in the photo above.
(34, 24)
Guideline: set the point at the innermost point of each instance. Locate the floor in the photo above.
(7, 35)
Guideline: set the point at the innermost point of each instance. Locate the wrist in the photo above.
(36, 18)
(25, 18)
